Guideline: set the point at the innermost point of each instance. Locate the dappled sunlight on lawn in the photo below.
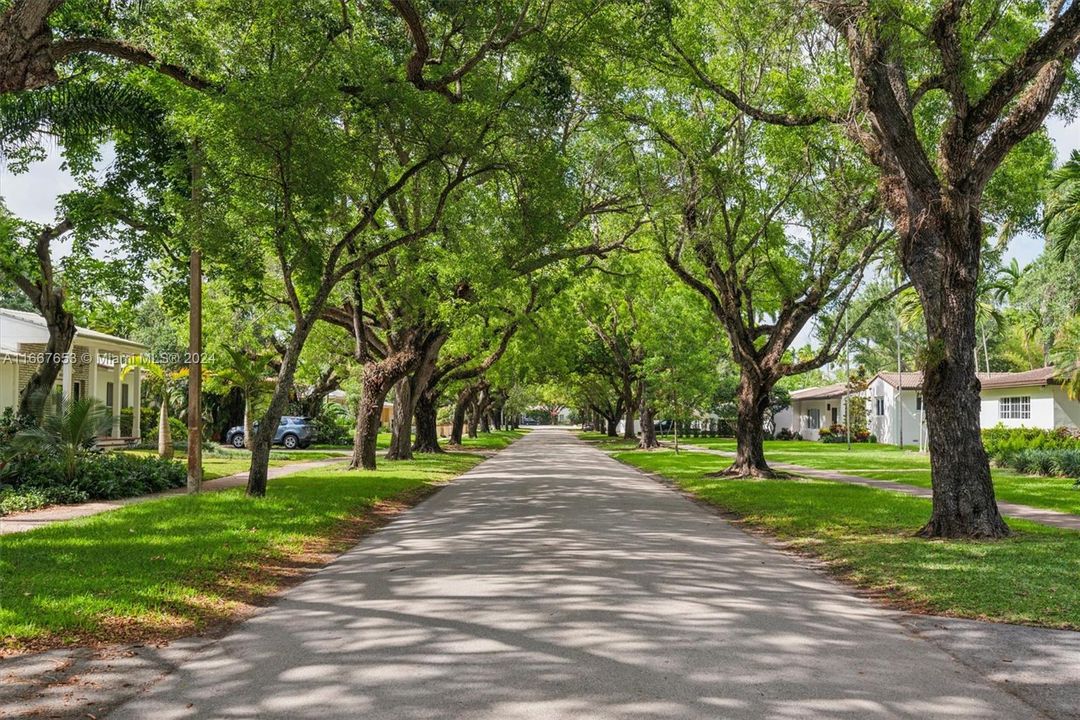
(868, 534)
(179, 562)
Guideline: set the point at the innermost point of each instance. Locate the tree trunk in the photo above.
(26, 60)
(461, 409)
(752, 402)
(260, 450)
(249, 422)
(612, 426)
(378, 378)
(474, 421)
(164, 443)
(427, 431)
(401, 423)
(61, 325)
(963, 492)
(648, 423)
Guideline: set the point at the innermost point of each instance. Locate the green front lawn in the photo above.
(494, 440)
(170, 567)
(606, 442)
(867, 535)
(888, 462)
(230, 461)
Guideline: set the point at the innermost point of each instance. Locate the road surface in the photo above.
(553, 582)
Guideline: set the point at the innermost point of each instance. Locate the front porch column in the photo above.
(65, 378)
(136, 408)
(91, 375)
(117, 395)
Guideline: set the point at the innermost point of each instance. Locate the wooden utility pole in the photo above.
(194, 418)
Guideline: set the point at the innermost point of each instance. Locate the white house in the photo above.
(895, 414)
(92, 370)
(812, 409)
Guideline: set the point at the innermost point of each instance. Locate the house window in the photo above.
(124, 402)
(813, 419)
(1015, 408)
(76, 390)
(918, 402)
(110, 393)
(835, 415)
(879, 405)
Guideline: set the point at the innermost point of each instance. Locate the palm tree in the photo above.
(167, 384)
(1066, 357)
(1062, 220)
(1023, 344)
(245, 372)
(68, 429)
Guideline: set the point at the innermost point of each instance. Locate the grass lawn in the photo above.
(606, 442)
(170, 567)
(228, 461)
(494, 440)
(867, 535)
(888, 462)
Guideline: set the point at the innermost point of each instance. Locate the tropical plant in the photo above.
(246, 372)
(68, 429)
(1066, 357)
(1062, 219)
(167, 384)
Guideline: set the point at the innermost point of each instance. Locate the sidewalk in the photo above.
(1024, 512)
(21, 522)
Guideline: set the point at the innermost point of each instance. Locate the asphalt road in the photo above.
(552, 582)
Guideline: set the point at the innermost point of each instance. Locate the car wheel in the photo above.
(290, 442)
(238, 441)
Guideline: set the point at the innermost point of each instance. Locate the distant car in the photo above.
(663, 426)
(529, 421)
(292, 432)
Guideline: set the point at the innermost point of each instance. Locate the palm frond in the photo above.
(76, 110)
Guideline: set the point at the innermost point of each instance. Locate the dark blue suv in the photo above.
(292, 432)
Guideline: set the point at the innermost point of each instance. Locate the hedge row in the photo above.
(31, 482)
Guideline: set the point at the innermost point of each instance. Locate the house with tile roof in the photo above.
(1034, 398)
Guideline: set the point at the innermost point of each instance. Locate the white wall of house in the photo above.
(809, 416)
(885, 426)
(784, 419)
(1066, 410)
(1032, 407)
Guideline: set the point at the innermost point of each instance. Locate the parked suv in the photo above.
(292, 432)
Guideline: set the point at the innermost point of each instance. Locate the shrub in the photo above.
(32, 498)
(178, 431)
(837, 433)
(1047, 461)
(34, 481)
(116, 475)
(1003, 443)
(787, 434)
(1067, 463)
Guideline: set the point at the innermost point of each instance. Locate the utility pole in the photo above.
(674, 410)
(899, 397)
(847, 386)
(194, 418)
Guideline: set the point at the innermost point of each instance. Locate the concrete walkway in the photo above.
(21, 522)
(1024, 512)
(553, 582)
